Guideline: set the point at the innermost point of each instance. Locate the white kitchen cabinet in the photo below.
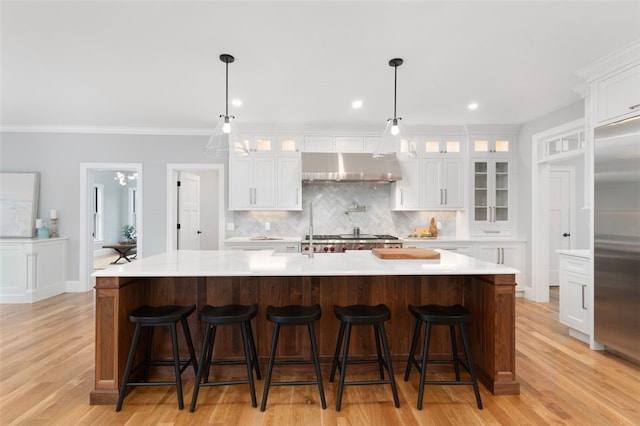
(618, 96)
(350, 144)
(575, 287)
(494, 145)
(319, 144)
(492, 200)
(442, 184)
(32, 269)
(338, 144)
(508, 253)
(252, 183)
(405, 193)
(465, 248)
(289, 184)
(266, 173)
(429, 184)
(282, 245)
(265, 183)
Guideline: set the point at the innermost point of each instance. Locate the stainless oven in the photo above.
(340, 243)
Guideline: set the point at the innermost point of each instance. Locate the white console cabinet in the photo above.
(32, 269)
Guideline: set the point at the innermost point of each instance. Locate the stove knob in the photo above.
(360, 247)
(333, 249)
(315, 249)
(306, 248)
(344, 248)
(326, 248)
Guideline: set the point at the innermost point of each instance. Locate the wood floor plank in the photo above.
(47, 361)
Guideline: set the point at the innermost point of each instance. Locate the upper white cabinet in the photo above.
(429, 184)
(491, 144)
(340, 143)
(442, 184)
(289, 184)
(252, 183)
(618, 96)
(492, 199)
(432, 174)
(266, 174)
(614, 86)
(405, 193)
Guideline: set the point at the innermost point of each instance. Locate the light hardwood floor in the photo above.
(46, 373)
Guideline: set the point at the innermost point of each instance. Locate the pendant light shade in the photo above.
(225, 136)
(393, 134)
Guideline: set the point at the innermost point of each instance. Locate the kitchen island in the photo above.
(222, 277)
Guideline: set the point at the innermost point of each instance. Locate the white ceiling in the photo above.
(154, 64)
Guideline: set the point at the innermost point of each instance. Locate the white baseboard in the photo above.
(77, 287)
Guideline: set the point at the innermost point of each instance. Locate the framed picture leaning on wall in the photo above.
(19, 193)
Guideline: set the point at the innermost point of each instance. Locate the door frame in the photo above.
(86, 244)
(172, 202)
(538, 290)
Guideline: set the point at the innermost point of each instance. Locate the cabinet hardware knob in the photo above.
(566, 234)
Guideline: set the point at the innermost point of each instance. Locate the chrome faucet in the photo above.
(310, 253)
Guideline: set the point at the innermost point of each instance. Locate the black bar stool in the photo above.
(215, 316)
(150, 316)
(441, 315)
(293, 315)
(363, 315)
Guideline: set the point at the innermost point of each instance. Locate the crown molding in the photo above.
(106, 130)
(625, 56)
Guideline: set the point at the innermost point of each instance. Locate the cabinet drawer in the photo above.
(576, 265)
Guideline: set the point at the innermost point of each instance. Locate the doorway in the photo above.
(195, 216)
(557, 202)
(98, 221)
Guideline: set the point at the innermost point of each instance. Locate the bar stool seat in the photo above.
(293, 315)
(363, 315)
(452, 316)
(216, 316)
(157, 316)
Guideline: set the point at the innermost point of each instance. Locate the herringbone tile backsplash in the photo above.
(330, 204)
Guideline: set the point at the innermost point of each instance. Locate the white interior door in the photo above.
(559, 220)
(189, 211)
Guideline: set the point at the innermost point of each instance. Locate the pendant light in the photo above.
(225, 135)
(394, 133)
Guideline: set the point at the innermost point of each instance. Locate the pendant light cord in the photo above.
(395, 89)
(226, 111)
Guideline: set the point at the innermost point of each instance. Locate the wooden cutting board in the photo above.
(405, 253)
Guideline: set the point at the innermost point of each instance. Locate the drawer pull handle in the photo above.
(583, 305)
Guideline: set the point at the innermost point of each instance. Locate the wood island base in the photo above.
(490, 298)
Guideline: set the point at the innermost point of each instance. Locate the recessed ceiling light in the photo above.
(236, 102)
(357, 104)
(473, 106)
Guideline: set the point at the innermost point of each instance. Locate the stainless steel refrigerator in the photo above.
(617, 238)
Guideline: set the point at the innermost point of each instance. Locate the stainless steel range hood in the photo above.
(349, 167)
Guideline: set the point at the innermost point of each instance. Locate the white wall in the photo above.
(57, 156)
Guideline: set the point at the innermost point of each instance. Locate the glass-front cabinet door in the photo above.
(491, 198)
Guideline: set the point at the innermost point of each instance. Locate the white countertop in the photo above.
(209, 263)
(585, 253)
